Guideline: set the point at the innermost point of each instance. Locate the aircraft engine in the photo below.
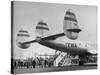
(22, 36)
(70, 26)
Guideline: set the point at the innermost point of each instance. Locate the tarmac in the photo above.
(54, 69)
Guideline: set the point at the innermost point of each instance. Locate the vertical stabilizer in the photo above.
(42, 29)
(70, 27)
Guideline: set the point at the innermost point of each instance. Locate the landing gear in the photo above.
(82, 60)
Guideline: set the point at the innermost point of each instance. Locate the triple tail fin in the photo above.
(42, 30)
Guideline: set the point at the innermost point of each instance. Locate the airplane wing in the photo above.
(52, 37)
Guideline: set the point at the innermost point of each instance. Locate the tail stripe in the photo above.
(70, 19)
(42, 28)
(23, 35)
(23, 31)
(41, 23)
(70, 13)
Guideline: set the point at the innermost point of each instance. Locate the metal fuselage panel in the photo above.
(61, 47)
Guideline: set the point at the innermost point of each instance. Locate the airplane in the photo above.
(71, 31)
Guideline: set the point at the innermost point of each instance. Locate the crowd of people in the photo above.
(43, 62)
(38, 62)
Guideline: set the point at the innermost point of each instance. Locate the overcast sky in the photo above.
(27, 14)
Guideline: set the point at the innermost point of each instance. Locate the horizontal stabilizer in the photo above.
(28, 42)
(52, 37)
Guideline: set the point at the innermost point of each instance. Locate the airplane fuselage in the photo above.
(64, 48)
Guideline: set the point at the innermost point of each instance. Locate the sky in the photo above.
(27, 14)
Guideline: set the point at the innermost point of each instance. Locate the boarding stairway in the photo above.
(63, 59)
